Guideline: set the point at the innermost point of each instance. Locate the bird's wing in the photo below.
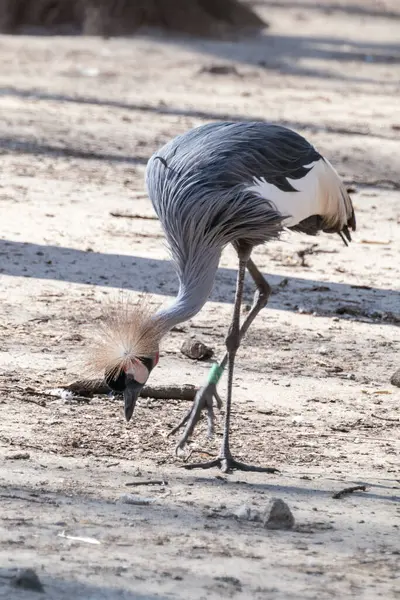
(302, 185)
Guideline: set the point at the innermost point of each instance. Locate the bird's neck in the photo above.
(196, 279)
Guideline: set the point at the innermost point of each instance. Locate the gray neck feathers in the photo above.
(196, 279)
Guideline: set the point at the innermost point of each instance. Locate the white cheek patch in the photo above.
(137, 369)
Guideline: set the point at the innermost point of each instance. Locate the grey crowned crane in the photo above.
(221, 183)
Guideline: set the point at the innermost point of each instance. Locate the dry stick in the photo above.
(380, 182)
(194, 451)
(149, 482)
(41, 403)
(130, 216)
(393, 419)
(28, 499)
(162, 392)
(349, 490)
(27, 390)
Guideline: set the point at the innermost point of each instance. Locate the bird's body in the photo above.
(238, 183)
(197, 186)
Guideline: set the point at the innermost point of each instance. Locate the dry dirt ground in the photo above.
(79, 119)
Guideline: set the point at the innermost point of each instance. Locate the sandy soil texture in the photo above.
(312, 397)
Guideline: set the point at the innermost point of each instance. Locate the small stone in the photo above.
(278, 515)
(220, 70)
(137, 500)
(28, 580)
(230, 581)
(196, 350)
(395, 379)
(17, 456)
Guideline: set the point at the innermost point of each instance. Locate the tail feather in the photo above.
(336, 206)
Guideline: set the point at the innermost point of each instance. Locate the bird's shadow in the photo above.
(156, 276)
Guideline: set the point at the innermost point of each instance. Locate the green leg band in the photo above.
(215, 374)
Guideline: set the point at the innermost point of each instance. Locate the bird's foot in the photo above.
(227, 464)
(204, 399)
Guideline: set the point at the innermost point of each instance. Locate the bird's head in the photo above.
(126, 349)
(130, 379)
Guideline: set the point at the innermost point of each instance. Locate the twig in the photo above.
(149, 235)
(196, 451)
(75, 538)
(133, 216)
(91, 388)
(349, 490)
(148, 482)
(27, 499)
(302, 254)
(41, 403)
(383, 182)
(393, 419)
(27, 390)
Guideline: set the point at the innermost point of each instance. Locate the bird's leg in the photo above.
(205, 395)
(232, 345)
(225, 460)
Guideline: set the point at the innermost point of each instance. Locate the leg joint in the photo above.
(262, 294)
(232, 340)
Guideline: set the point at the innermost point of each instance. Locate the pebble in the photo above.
(17, 456)
(196, 350)
(138, 500)
(220, 70)
(278, 515)
(231, 581)
(395, 379)
(28, 580)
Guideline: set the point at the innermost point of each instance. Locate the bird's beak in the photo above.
(131, 394)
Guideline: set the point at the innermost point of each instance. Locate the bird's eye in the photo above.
(117, 384)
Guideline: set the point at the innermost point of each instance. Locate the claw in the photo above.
(218, 399)
(180, 424)
(204, 399)
(210, 421)
(227, 464)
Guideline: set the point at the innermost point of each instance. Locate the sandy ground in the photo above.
(79, 118)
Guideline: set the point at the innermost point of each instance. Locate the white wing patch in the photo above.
(319, 193)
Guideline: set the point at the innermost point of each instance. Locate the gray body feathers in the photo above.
(226, 182)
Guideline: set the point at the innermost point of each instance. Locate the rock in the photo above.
(278, 515)
(220, 70)
(395, 379)
(28, 580)
(138, 500)
(196, 350)
(17, 456)
(233, 582)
